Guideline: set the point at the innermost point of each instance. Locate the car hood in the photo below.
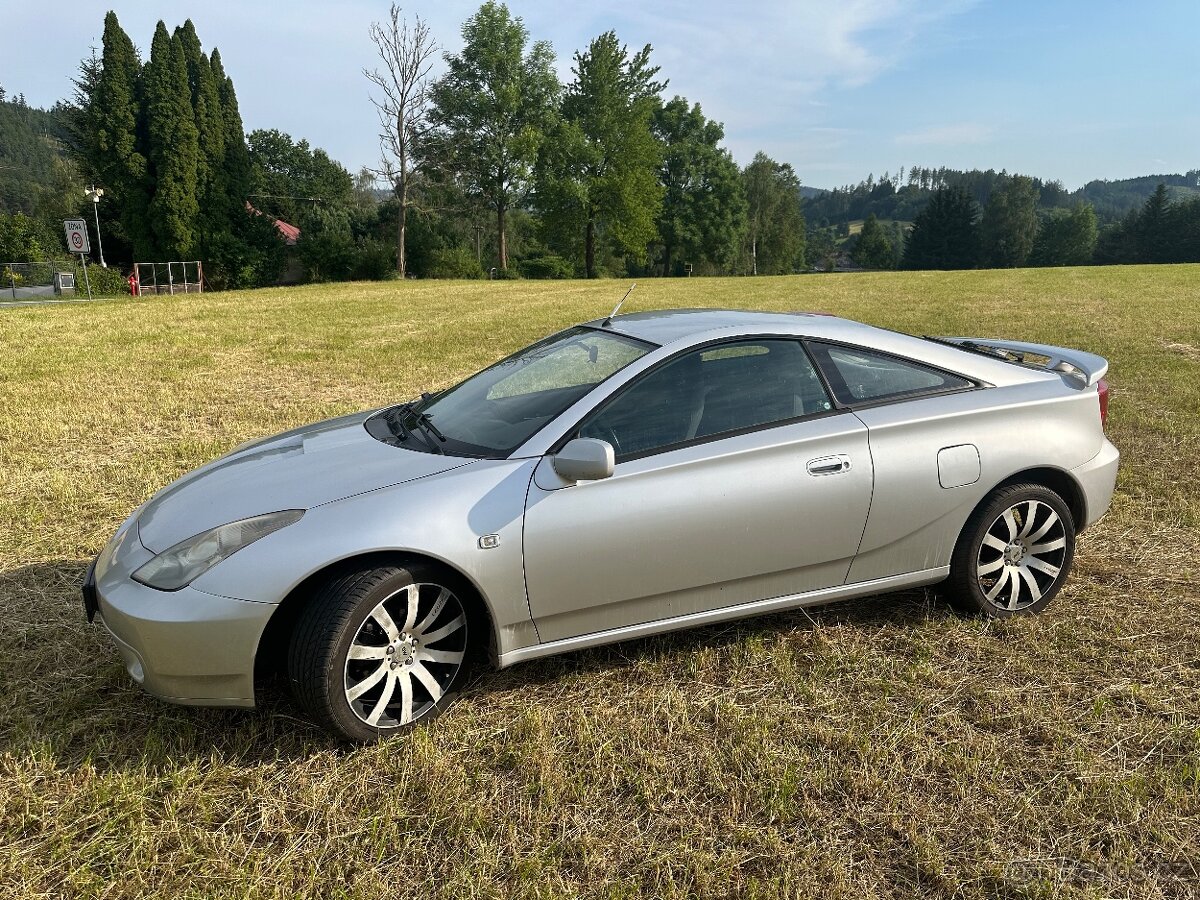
(298, 469)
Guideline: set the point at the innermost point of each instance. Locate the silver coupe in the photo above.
(629, 476)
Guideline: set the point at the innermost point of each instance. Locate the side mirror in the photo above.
(584, 459)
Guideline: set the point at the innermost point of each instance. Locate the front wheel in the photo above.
(379, 650)
(1014, 554)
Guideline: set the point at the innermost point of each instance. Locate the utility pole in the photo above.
(94, 194)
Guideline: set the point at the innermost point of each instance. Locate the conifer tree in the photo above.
(174, 147)
(237, 154)
(945, 235)
(210, 126)
(873, 250)
(111, 143)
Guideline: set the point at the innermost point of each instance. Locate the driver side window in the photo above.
(710, 392)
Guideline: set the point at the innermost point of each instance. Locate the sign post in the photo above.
(77, 242)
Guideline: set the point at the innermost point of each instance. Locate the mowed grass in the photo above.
(878, 748)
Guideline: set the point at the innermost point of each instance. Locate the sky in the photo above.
(1061, 89)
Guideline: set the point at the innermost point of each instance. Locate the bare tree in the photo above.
(408, 54)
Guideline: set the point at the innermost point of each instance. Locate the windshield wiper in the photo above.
(397, 414)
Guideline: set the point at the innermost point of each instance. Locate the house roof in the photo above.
(289, 232)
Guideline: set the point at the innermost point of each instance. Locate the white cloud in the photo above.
(948, 135)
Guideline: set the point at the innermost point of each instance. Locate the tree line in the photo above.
(497, 166)
(953, 231)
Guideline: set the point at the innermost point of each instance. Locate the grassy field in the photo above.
(879, 748)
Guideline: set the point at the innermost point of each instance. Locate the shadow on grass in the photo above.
(67, 696)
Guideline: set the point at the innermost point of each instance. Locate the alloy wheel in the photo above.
(1021, 556)
(405, 655)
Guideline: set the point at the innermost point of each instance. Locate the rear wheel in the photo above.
(379, 650)
(1014, 554)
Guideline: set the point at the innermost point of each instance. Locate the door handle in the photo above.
(829, 465)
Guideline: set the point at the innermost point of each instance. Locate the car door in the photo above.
(735, 480)
(925, 428)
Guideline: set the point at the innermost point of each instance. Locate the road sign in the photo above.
(77, 236)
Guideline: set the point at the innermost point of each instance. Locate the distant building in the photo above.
(293, 272)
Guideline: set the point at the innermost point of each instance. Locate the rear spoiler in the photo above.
(1088, 366)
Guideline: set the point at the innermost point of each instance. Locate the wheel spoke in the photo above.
(1032, 582)
(367, 683)
(1044, 530)
(426, 678)
(1042, 566)
(450, 657)
(434, 611)
(384, 699)
(384, 618)
(1014, 595)
(988, 568)
(996, 588)
(449, 628)
(1056, 544)
(1011, 522)
(1030, 515)
(365, 651)
(414, 596)
(406, 700)
(990, 540)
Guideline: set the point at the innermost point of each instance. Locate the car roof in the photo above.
(668, 326)
(681, 327)
(664, 327)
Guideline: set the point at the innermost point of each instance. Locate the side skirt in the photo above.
(741, 611)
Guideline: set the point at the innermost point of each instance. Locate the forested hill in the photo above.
(33, 164)
(901, 196)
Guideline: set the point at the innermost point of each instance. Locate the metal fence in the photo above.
(170, 277)
(53, 280)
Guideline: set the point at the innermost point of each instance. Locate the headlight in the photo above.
(179, 566)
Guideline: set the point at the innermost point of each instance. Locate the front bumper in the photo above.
(185, 646)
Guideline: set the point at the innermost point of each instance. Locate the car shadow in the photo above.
(68, 697)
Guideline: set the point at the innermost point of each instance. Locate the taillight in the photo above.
(1103, 390)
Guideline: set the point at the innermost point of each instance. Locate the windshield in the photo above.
(494, 412)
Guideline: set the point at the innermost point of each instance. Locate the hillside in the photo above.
(904, 195)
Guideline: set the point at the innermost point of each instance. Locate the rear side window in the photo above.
(863, 376)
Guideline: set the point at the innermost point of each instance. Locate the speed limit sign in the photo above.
(77, 235)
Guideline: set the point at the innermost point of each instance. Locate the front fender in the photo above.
(442, 516)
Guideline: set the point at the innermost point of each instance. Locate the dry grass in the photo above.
(881, 748)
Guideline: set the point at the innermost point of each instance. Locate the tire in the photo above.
(408, 661)
(1007, 564)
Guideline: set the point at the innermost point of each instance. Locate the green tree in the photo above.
(291, 179)
(1010, 223)
(704, 208)
(210, 127)
(491, 111)
(600, 174)
(873, 250)
(945, 235)
(113, 151)
(326, 245)
(238, 175)
(24, 239)
(1152, 235)
(174, 147)
(1067, 237)
(775, 233)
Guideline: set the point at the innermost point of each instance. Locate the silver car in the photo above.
(622, 478)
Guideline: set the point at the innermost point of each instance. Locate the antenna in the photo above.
(616, 308)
